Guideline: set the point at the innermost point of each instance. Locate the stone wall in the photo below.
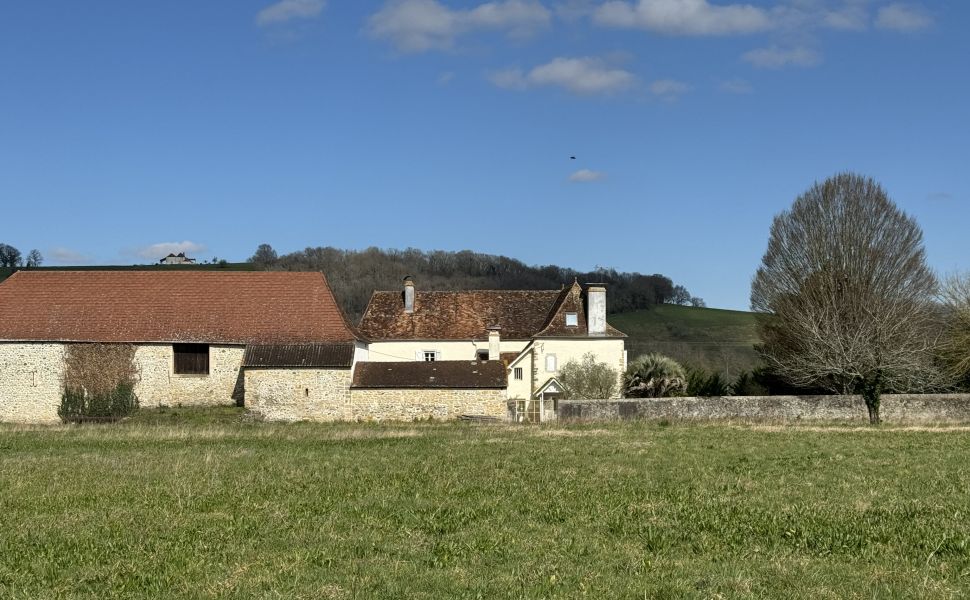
(299, 394)
(158, 384)
(30, 382)
(411, 404)
(908, 408)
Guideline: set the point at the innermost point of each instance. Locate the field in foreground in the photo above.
(180, 505)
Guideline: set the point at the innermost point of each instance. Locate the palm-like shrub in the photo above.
(654, 376)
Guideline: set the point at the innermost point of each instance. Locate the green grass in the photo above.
(175, 505)
(718, 340)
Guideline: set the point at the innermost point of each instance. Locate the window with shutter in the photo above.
(191, 359)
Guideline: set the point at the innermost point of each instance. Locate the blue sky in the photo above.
(131, 128)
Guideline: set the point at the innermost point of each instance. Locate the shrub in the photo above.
(654, 376)
(588, 379)
(99, 382)
(745, 384)
(78, 406)
(702, 383)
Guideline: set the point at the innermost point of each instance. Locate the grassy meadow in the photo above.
(715, 339)
(188, 504)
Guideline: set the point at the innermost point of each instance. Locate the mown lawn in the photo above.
(178, 505)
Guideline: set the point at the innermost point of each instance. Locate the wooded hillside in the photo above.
(355, 274)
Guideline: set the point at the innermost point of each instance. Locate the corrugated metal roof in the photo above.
(275, 356)
(452, 374)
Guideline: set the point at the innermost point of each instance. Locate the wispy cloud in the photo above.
(420, 25)
(851, 15)
(583, 75)
(735, 86)
(67, 256)
(903, 17)
(668, 89)
(684, 17)
(586, 176)
(289, 10)
(940, 197)
(163, 249)
(775, 57)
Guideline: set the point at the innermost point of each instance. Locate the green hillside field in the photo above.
(715, 339)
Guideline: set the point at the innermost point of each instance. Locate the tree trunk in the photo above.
(871, 393)
(873, 412)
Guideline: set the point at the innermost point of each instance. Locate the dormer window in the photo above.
(572, 319)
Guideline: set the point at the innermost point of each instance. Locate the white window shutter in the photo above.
(419, 355)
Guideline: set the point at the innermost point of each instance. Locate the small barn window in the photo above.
(191, 359)
(517, 373)
(572, 319)
(481, 355)
(550, 363)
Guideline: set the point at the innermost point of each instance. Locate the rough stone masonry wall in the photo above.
(30, 382)
(898, 408)
(299, 394)
(411, 404)
(158, 384)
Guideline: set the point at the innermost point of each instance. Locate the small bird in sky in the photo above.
(572, 158)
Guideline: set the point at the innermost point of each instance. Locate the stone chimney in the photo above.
(408, 295)
(596, 309)
(494, 343)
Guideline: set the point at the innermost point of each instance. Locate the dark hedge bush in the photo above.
(77, 406)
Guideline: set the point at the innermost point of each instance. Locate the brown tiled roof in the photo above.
(451, 374)
(467, 315)
(457, 315)
(170, 306)
(571, 300)
(299, 356)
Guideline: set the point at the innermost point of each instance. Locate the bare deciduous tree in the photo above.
(588, 379)
(845, 295)
(34, 259)
(9, 256)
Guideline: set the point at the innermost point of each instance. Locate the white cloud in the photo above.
(586, 176)
(852, 15)
(445, 77)
(288, 10)
(775, 57)
(66, 256)
(903, 17)
(668, 89)
(684, 17)
(735, 86)
(584, 75)
(163, 249)
(419, 25)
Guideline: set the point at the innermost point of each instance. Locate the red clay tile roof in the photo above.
(170, 306)
(450, 374)
(467, 315)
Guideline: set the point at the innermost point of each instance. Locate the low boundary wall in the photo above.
(894, 408)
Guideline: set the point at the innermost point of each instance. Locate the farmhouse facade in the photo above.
(278, 343)
(533, 333)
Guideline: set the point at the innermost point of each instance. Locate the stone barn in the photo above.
(190, 331)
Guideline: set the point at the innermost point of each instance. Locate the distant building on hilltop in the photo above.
(177, 259)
